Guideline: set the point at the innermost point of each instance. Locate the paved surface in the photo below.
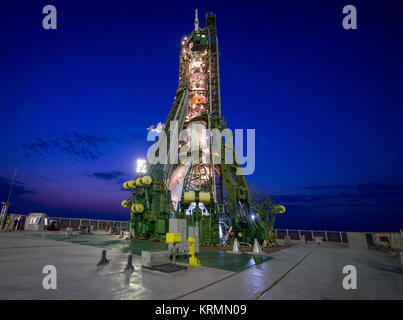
(319, 276)
(299, 272)
(22, 259)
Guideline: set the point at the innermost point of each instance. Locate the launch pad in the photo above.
(214, 257)
(297, 272)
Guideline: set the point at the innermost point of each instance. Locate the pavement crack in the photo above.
(265, 291)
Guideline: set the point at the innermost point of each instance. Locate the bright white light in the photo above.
(141, 166)
(253, 217)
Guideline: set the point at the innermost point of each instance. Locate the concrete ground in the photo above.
(319, 276)
(298, 272)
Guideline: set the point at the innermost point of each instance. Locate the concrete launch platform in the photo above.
(298, 272)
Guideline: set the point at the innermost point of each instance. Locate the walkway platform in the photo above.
(298, 272)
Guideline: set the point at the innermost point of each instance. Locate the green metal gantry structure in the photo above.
(200, 193)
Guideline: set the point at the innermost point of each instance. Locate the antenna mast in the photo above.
(12, 184)
(5, 205)
(196, 22)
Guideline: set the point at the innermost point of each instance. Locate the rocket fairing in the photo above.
(196, 70)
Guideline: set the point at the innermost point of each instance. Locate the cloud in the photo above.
(365, 189)
(300, 197)
(112, 175)
(396, 178)
(80, 146)
(379, 187)
(331, 187)
(117, 177)
(19, 189)
(387, 193)
(88, 139)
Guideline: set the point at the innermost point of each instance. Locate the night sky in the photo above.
(325, 102)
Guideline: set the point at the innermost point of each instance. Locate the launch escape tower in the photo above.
(201, 193)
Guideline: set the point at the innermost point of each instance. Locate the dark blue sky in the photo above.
(325, 102)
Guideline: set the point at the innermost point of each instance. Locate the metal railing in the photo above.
(395, 239)
(96, 224)
(392, 240)
(327, 236)
(77, 223)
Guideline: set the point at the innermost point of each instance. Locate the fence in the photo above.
(378, 240)
(93, 223)
(327, 236)
(388, 240)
